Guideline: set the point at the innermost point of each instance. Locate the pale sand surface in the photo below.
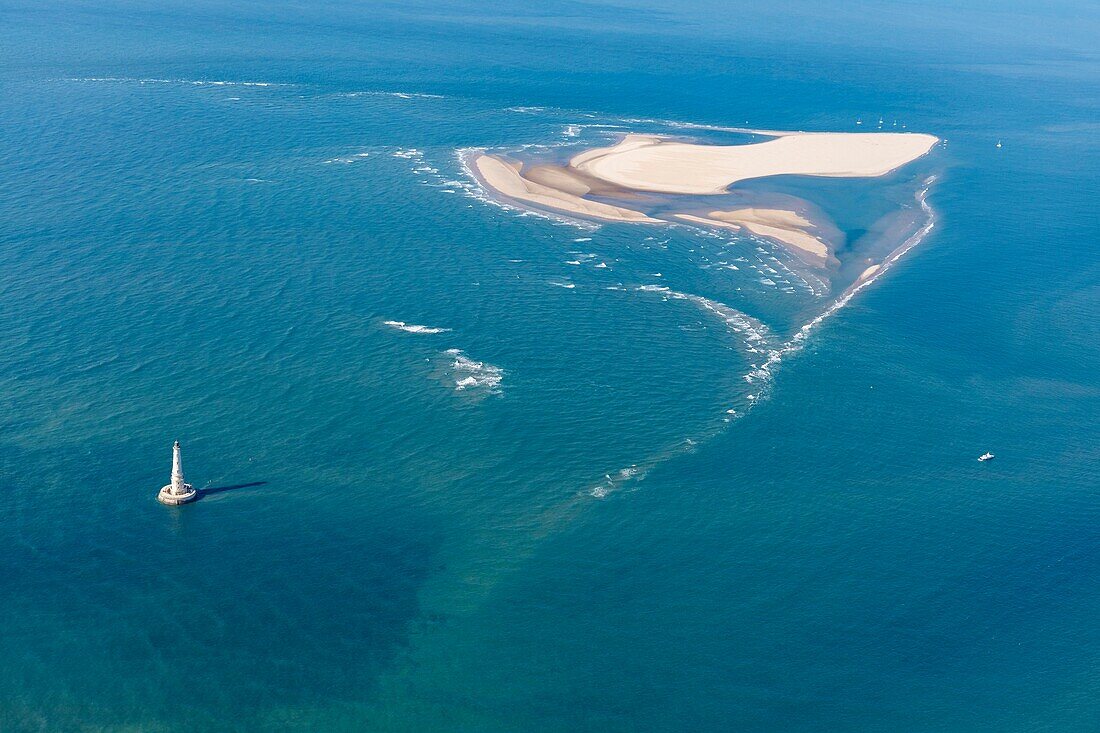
(771, 217)
(561, 179)
(785, 227)
(657, 164)
(868, 272)
(632, 141)
(647, 163)
(571, 180)
(505, 178)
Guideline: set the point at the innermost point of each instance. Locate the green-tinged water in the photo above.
(465, 467)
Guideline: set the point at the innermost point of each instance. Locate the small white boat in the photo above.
(999, 143)
(987, 456)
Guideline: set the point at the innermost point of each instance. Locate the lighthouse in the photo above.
(177, 492)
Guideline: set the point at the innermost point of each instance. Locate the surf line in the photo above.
(453, 595)
(757, 339)
(763, 374)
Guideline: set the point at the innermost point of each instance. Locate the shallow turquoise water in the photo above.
(581, 538)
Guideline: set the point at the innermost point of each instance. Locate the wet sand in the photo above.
(785, 227)
(506, 178)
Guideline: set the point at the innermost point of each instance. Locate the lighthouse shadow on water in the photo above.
(177, 491)
(222, 489)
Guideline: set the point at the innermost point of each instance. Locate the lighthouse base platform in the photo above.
(167, 497)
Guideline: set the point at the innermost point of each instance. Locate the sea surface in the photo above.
(470, 468)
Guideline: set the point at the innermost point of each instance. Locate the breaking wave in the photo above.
(472, 375)
(758, 340)
(765, 371)
(473, 188)
(756, 334)
(348, 158)
(397, 95)
(192, 82)
(414, 328)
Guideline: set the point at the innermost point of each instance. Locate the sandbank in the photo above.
(640, 165)
(868, 272)
(786, 227)
(648, 163)
(564, 195)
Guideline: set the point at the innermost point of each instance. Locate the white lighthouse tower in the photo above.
(177, 492)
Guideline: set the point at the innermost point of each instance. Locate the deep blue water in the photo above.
(540, 518)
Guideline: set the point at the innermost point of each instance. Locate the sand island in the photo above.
(617, 183)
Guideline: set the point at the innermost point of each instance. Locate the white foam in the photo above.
(472, 375)
(398, 95)
(765, 370)
(757, 338)
(414, 328)
(615, 482)
(348, 158)
(753, 331)
(191, 82)
(476, 190)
